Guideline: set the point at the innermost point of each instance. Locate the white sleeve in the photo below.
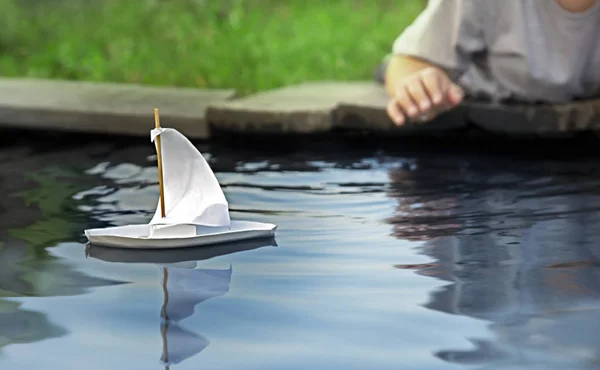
(447, 33)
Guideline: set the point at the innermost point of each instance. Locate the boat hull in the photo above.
(139, 236)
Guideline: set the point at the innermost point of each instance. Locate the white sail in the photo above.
(192, 193)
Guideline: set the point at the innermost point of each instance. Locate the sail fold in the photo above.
(191, 190)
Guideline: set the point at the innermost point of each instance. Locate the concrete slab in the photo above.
(311, 107)
(361, 106)
(305, 108)
(122, 109)
(317, 107)
(541, 120)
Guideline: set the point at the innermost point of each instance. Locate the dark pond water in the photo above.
(382, 261)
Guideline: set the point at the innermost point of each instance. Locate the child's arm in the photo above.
(418, 88)
(429, 55)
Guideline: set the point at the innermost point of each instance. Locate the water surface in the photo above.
(381, 261)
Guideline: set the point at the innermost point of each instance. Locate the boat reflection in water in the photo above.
(518, 250)
(184, 287)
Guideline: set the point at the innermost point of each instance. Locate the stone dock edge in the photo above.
(306, 108)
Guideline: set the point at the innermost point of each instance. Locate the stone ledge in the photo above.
(541, 119)
(307, 108)
(107, 108)
(316, 107)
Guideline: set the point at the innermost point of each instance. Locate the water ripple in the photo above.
(497, 257)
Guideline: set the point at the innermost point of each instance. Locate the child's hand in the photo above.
(423, 95)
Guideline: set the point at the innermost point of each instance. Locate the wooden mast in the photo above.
(160, 168)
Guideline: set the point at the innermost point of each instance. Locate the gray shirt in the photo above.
(526, 50)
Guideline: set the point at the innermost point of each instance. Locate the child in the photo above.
(530, 51)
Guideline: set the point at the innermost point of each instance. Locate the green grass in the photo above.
(248, 45)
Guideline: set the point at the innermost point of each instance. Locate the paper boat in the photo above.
(192, 209)
(181, 255)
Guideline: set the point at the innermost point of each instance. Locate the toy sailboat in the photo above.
(192, 209)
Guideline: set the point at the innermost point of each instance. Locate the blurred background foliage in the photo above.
(249, 45)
